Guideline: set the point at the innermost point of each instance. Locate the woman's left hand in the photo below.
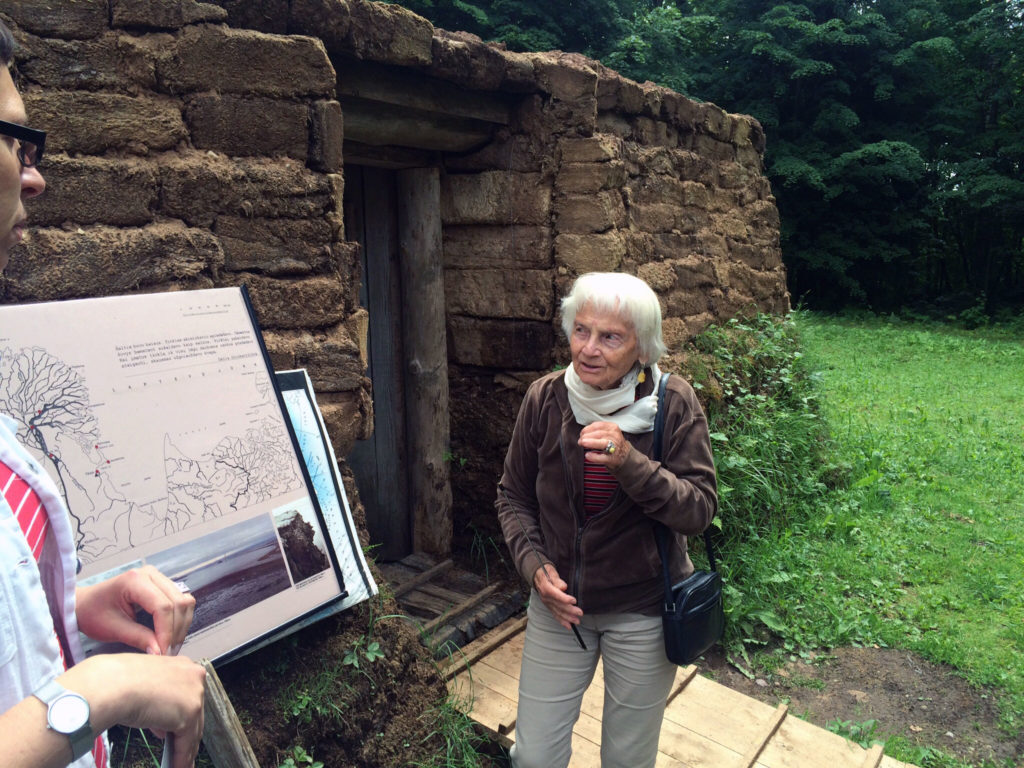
(604, 443)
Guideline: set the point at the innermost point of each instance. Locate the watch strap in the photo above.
(82, 738)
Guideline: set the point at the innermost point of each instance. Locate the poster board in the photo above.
(318, 454)
(158, 418)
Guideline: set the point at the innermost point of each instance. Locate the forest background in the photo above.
(895, 127)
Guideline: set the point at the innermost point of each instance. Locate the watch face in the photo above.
(68, 713)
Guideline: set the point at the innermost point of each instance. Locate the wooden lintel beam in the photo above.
(380, 124)
(407, 88)
(392, 158)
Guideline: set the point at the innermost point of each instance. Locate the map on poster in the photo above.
(158, 420)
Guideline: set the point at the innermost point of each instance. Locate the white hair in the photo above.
(627, 296)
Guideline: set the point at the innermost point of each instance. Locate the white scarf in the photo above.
(615, 405)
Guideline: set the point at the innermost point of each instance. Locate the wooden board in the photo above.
(706, 725)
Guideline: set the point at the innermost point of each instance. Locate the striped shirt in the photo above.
(599, 485)
(32, 517)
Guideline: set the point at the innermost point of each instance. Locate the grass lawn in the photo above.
(924, 548)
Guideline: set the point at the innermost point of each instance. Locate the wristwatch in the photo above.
(68, 713)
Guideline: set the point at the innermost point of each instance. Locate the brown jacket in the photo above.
(610, 561)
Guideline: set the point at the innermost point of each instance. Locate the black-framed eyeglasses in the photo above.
(30, 142)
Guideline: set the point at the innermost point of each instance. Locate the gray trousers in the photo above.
(556, 672)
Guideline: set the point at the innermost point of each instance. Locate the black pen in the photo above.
(575, 631)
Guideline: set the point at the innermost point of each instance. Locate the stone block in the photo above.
(617, 93)
(578, 116)
(310, 303)
(525, 294)
(519, 74)
(330, 356)
(358, 328)
(655, 217)
(612, 124)
(491, 247)
(737, 175)
(688, 302)
(245, 126)
(326, 136)
(754, 256)
(694, 272)
(89, 190)
(748, 157)
(92, 123)
(730, 227)
(495, 197)
(593, 149)
(659, 275)
(67, 19)
(589, 177)
(330, 20)
(652, 94)
(105, 261)
(164, 14)
(106, 62)
(247, 62)
(389, 33)
(197, 188)
(714, 121)
(505, 344)
(713, 149)
(464, 59)
(656, 188)
(523, 154)
(674, 333)
(566, 76)
(590, 253)
(583, 214)
(275, 247)
(654, 133)
(348, 416)
(264, 15)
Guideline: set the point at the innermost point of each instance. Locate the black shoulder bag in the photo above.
(692, 614)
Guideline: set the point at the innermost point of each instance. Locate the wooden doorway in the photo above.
(402, 470)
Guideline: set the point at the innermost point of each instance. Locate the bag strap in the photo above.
(661, 532)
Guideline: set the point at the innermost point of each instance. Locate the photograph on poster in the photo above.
(304, 546)
(227, 571)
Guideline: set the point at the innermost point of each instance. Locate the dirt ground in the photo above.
(924, 702)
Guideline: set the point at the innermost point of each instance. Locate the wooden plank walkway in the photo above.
(706, 725)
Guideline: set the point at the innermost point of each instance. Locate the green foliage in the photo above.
(860, 733)
(363, 648)
(875, 502)
(462, 742)
(299, 758)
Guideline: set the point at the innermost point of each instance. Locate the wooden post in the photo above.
(426, 359)
(223, 736)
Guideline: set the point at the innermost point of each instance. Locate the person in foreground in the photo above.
(55, 706)
(577, 500)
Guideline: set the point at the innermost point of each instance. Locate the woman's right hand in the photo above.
(552, 590)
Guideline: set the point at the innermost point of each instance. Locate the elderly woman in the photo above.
(577, 501)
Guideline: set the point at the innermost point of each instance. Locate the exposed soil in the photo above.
(926, 703)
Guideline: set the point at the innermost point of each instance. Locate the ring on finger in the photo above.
(610, 448)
